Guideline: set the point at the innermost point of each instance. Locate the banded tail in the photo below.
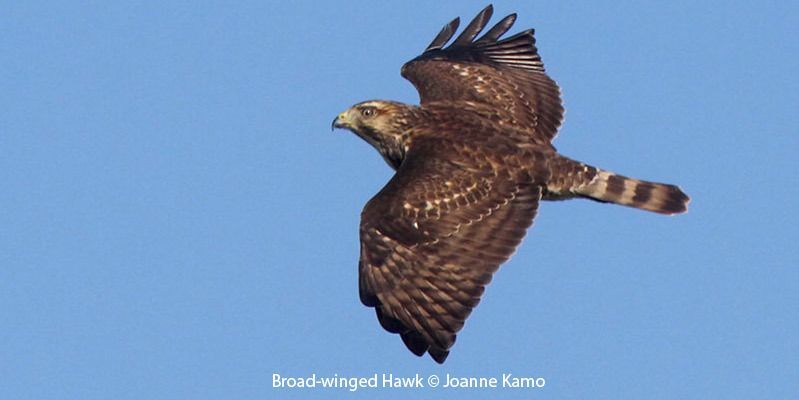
(651, 196)
(586, 181)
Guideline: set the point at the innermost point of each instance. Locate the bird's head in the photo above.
(378, 116)
(383, 124)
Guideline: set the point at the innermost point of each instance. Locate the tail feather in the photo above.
(651, 196)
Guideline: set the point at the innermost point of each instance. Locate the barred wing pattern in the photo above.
(433, 237)
(506, 74)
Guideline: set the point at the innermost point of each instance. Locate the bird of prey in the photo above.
(472, 162)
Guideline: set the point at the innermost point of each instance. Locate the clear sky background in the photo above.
(178, 221)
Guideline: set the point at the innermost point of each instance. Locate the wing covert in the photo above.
(433, 237)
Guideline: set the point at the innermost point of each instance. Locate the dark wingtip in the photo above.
(473, 29)
(517, 51)
(444, 35)
(390, 324)
(368, 299)
(439, 355)
(415, 342)
(498, 29)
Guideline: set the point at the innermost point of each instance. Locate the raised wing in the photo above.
(433, 237)
(506, 74)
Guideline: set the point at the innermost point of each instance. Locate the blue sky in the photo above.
(178, 221)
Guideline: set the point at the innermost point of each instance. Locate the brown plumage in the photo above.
(472, 163)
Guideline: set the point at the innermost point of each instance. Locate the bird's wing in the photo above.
(507, 74)
(433, 237)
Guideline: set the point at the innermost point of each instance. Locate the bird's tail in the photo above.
(661, 198)
(572, 178)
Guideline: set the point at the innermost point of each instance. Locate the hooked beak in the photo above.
(340, 121)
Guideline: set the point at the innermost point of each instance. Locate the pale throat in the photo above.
(391, 146)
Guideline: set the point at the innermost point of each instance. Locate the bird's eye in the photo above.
(368, 111)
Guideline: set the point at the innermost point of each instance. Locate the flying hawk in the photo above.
(472, 162)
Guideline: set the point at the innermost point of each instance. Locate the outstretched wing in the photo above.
(506, 74)
(433, 237)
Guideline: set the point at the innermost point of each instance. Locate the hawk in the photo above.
(472, 163)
